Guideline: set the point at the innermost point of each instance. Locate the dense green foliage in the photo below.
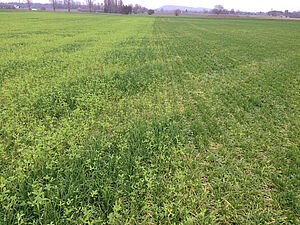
(126, 119)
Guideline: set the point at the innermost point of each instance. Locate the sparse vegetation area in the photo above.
(111, 119)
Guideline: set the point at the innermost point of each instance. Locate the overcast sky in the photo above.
(245, 5)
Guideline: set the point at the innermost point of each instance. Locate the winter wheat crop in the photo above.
(110, 119)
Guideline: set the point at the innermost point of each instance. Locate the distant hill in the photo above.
(167, 8)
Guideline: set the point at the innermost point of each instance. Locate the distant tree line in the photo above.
(219, 9)
(29, 4)
(286, 13)
(117, 6)
(107, 6)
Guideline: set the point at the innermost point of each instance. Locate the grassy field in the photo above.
(111, 119)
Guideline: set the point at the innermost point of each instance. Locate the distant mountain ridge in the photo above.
(182, 8)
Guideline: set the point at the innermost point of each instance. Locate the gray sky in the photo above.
(245, 5)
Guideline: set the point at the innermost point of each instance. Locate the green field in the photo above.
(112, 119)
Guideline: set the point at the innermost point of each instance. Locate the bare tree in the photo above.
(120, 5)
(106, 6)
(29, 4)
(90, 4)
(113, 6)
(69, 4)
(54, 4)
(177, 12)
(218, 9)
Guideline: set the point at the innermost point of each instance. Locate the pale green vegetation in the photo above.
(148, 120)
